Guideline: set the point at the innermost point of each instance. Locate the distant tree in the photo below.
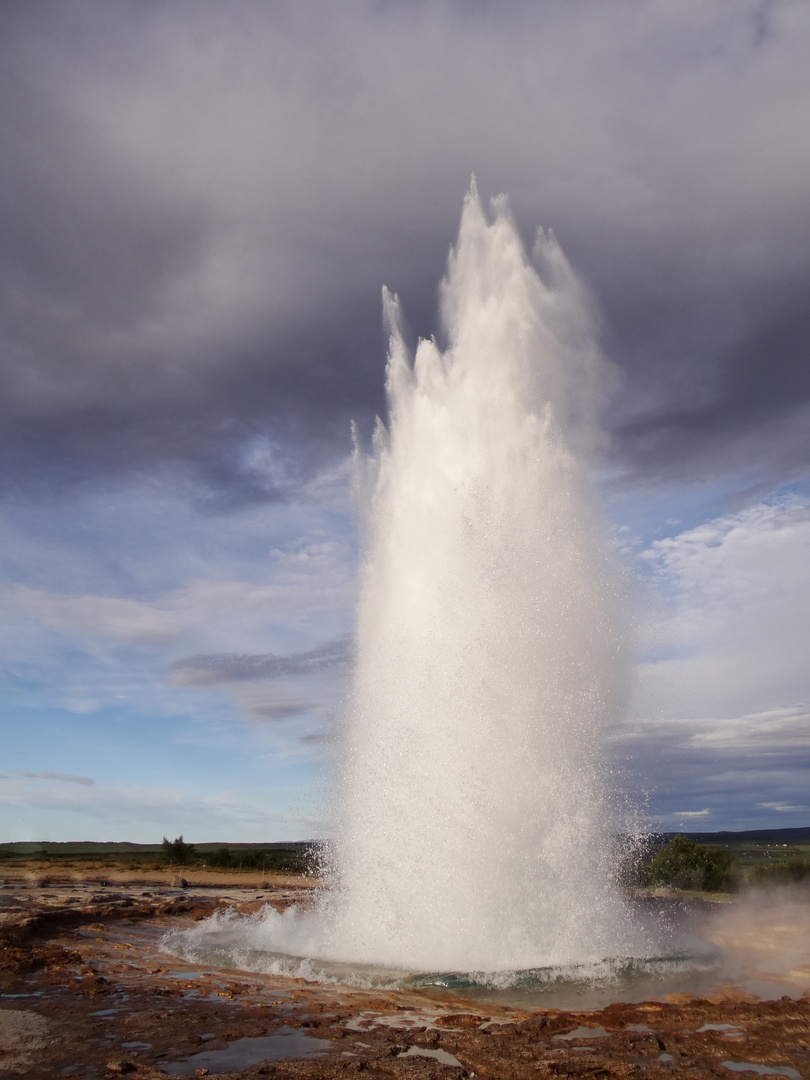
(178, 852)
(683, 864)
(221, 857)
(293, 858)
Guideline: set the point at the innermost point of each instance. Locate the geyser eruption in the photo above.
(474, 831)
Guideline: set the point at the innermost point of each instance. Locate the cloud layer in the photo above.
(199, 209)
(721, 714)
(235, 667)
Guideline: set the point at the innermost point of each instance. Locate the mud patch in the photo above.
(281, 1045)
(22, 1034)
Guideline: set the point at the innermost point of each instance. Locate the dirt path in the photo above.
(38, 873)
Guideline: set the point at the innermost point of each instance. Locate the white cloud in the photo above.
(776, 730)
(132, 621)
(248, 595)
(734, 639)
(135, 811)
(734, 767)
(195, 607)
(720, 713)
(277, 583)
(752, 735)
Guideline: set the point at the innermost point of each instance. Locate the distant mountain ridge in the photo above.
(89, 847)
(753, 836)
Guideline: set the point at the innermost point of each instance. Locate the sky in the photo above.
(200, 203)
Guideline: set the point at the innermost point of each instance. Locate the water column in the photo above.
(474, 825)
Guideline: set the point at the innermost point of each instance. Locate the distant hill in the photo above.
(91, 847)
(751, 836)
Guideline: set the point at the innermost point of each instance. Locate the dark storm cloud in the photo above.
(726, 766)
(760, 383)
(316, 739)
(207, 436)
(68, 778)
(236, 667)
(281, 710)
(199, 205)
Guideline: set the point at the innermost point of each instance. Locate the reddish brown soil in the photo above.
(35, 873)
(81, 976)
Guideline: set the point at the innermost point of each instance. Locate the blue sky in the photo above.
(101, 609)
(200, 204)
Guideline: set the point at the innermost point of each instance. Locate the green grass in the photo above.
(751, 863)
(285, 857)
(762, 863)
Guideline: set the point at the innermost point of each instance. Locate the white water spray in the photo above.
(474, 831)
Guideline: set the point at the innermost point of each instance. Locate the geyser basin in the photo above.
(233, 941)
(473, 821)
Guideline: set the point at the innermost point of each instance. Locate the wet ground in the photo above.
(86, 993)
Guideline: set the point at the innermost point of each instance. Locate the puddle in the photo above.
(136, 1046)
(581, 1033)
(763, 1070)
(437, 1055)
(718, 1027)
(285, 1043)
(665, 1057)
(359, 1023)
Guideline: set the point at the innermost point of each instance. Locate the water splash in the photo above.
(474, 831)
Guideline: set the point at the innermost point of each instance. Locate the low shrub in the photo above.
(784, 872)
(683, 864)
(294, 860)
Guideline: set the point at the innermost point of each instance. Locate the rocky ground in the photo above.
(86, 993)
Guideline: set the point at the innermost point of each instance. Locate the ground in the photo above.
(86, 994)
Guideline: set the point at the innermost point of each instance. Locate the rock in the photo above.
(264, 884)
(460, 1020)
(120, 1066)
(180, 883)
(23, 1030)
(21, 1033)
